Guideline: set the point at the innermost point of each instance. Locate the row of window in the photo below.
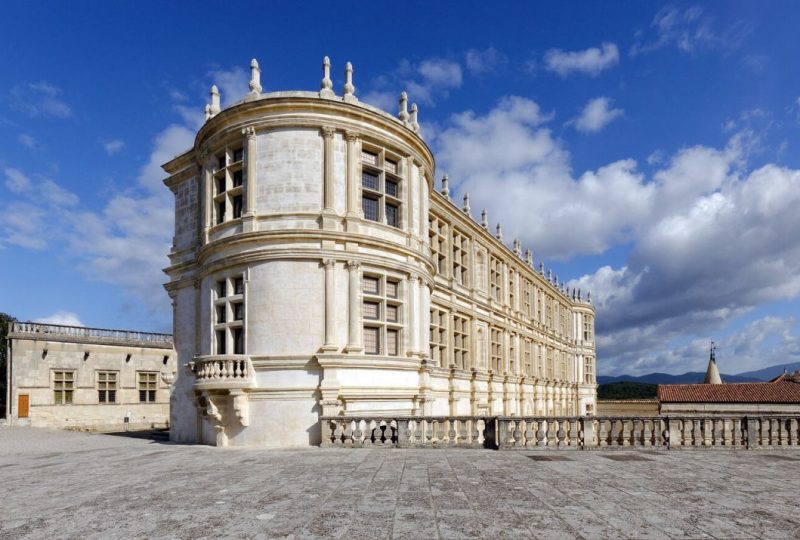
(444, 325)
(107, 386)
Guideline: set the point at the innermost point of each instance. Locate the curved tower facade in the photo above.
(304, 277)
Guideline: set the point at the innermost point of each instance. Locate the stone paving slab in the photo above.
(59, 484)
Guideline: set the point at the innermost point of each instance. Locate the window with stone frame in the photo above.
(562, 319)
(512, 289)
(564, 373)
(539, 313)
(539, 361)
(496, 350)
(550, 374)
(147, 384)
(381, 191)
(228, 188)
(63, 387)
(548, 309)
(461, 341)
(382, 314)
(437, 234)
(527, 298)
(496, 279)
(588, 331)
(438, 337)
(512, 354)
(527, 357)
(107, 386)
(588, 370)
(229, 314)
(460, 258)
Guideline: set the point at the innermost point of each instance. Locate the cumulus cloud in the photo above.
(233, 83)
(596, 115)
(40, 99)
(66, 318)
(113, 146)
(425, 82)
(590, 61)
(709, 238)
(480, 62)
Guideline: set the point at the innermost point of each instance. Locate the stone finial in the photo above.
(573, 293)
(541, 267)
(550, 276)
(529, 257)
(326, 85)
(445, 188)
(484, 219)
(413, 124)
(589, 296)
(556, 282)
(349, 89)
(255, 77)
(208, 111)
(402, 112)
(517, 247)
(214, 108)
(465, 207)
(499, 232)
(579, 295)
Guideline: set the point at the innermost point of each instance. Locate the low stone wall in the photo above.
(576, 433)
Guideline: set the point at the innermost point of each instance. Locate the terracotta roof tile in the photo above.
(781, 391)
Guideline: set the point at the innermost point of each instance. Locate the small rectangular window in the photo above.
(220, 212)
(222, 288)
(391, 342)
(369, 180)
(238, 155)
(238, 341)
(221, 349)
(371, 310)
(63, 386)
(391, 188)
(391, 313)
(238, 311)
(238, 178)
(107, 386)
(370, 208)
(221, 314)
(220, 185)
(238, 286)
(371, 344)
(221, 162)
(147, 387)
(237, 207)
(369, 158)
(390, 166)
(391, 215)
(369, 285)
(391, 289)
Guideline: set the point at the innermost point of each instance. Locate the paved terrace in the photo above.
(74, 485)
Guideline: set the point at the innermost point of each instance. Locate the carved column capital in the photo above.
(353, 265)
(351, 136)
(249, 132)
(328, 263)
(327, 131)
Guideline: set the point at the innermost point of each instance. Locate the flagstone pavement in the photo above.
(59, 484)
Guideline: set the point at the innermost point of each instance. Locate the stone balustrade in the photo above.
(82, 333)
(575, 433)
(223, 371)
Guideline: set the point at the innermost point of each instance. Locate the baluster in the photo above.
(615, 433)
(626, 431)
(429, 424)
(793, 432)
(736, 432)
(337, 433)
(476, 434)
(452, 433)
(561, 433)
(357, 436)
(530, 439)
(574, 433)
(647, 433)
(440, 432)
(696, 437)
(773, 432)
(602, 433)
(765, 426)
(541, 433)
(347, 432)
(515, 432)
(551, 432)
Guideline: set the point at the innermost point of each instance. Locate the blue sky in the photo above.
(646, 151)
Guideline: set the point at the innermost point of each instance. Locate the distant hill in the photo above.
(691, 377)
(627, 390)
(767, 374)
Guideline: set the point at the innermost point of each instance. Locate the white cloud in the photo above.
(591, 61)
(596, 115)
(40, 99)
(233, 83)
(66, 318)
(426, 82)
(113, 146)
(27, 140)
(16, 180)
(480, 62)
(690, 30)
(655, 157)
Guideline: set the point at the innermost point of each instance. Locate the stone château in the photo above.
(316, 271)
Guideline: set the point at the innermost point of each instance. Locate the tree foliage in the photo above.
(627, 390)
(5, 318)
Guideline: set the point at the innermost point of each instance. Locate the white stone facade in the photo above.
(304, 281)
(86, 378)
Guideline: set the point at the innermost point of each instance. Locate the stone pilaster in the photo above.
(328, 212)
(413, 316)
(249, 216)
(354, 336)
(330, 306)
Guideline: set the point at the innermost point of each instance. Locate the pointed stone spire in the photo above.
(465, 207)
(712, 373)
(589, 296)
(579, 295)
(517, 247)
(255, 78)
(326, 85)
(485, 219)
(402, 112)
(214, 108)
(499, 232)
(208, 111)
(529, 257)
(349, 89)
(445, 187)
(412, 121)
(573, 293)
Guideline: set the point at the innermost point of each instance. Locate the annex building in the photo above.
(87, 378)
(316, 270)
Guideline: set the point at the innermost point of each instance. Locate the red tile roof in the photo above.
(780, 391)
